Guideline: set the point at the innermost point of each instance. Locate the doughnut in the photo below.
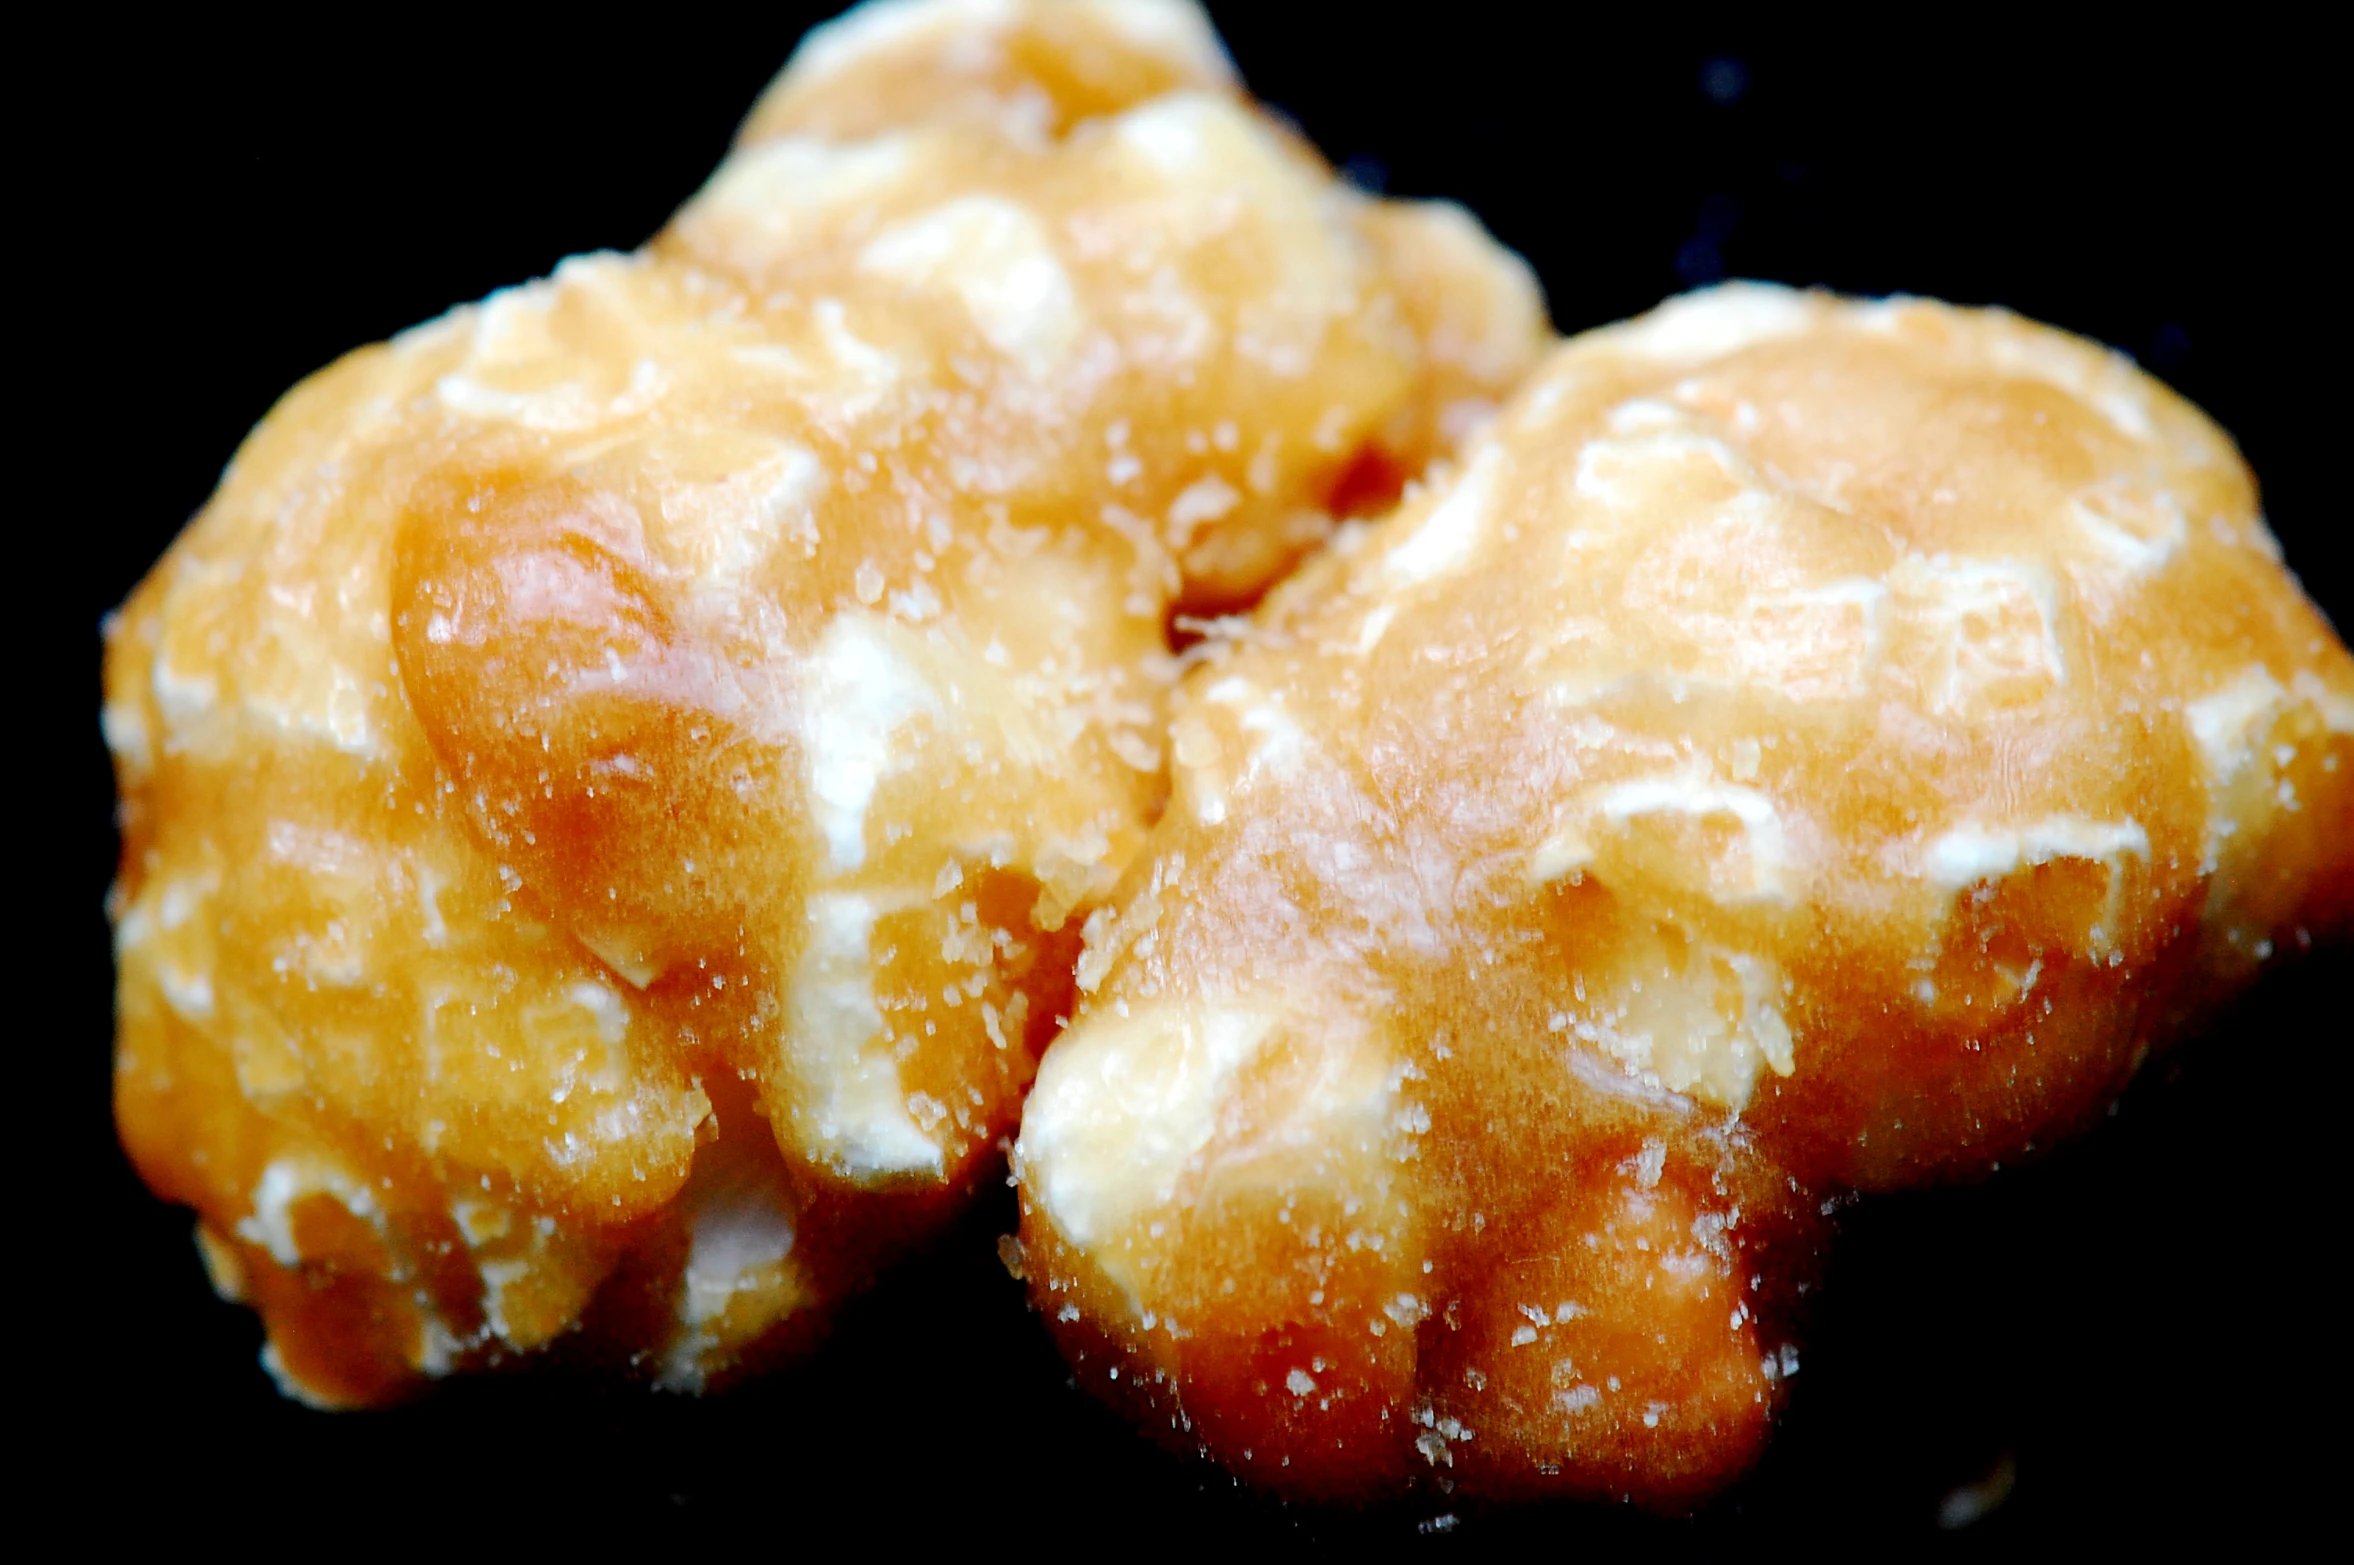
(1805, 747)
(612, 781)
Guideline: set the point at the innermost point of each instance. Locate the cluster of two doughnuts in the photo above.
(615, 781)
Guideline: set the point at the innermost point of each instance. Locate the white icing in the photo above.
(1969, 854)
(1995, 625)
(1767, 844)
(1715, 322)
(2335, 706)
(1693, 1019)
(1449, 534)
(2224, 723)
(999, 261)
(2140, 532)
(293, 1178)
(859, 1111)
(1122, 1105)
(858, 691)
(1175, 135)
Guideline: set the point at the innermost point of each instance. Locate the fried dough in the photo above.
(1807, 747)
(612, 780)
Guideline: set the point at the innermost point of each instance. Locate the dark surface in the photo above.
(2141, 1329)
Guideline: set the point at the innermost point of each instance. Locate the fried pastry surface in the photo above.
(1807, 747)
(612, 780)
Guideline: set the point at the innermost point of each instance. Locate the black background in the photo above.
(2142, 1328)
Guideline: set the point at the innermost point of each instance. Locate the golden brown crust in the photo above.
(612, 779)
(1808, 745)
(1010, 68)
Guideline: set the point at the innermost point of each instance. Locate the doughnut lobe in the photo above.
(613, 779)
(1805, 747)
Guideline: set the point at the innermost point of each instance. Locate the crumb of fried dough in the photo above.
(1807, 746)
(613, 780)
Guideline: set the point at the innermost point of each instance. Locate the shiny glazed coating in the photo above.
(1807, 747)
(612, 779)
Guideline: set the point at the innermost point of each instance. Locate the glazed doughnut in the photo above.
(612, 780)
(1807, 747)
